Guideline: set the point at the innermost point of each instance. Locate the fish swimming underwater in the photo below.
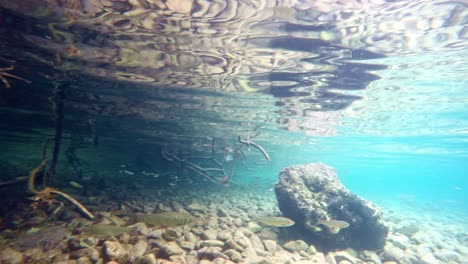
(100, 230)
(165, 219)
(276, 221)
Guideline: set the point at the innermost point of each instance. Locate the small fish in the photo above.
(333, 226)
(127, 172)
(166, 219)
(100, 230)
(76, 185)
(276, 221)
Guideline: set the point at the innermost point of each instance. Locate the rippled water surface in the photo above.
(376, 89)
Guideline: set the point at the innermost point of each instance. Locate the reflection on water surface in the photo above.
(260, 64)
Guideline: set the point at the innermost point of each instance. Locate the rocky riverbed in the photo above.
(224, 231)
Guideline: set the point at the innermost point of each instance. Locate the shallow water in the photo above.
(142, 93)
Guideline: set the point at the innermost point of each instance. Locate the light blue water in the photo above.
(417, 157)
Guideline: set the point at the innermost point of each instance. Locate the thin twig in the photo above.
(255, 145)
(15, 181)
(73, 201)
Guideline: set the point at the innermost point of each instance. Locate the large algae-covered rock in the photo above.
(326, 212)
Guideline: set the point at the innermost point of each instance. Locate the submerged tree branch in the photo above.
(249, 143)
(216, 174)
(57, 107)
(47, 195)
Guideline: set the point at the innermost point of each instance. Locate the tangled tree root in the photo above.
(47, 195)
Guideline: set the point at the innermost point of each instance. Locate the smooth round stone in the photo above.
(296, 245)
(211, 243)
(254, 227)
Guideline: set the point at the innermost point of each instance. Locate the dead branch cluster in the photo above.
(4, 74)
(47, 195)
(218, 167)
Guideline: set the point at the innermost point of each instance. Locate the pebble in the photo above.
(36, 254)
(155, 233)
(394, 254)
(296, 245)
(147, 259)
(11, 256)
(222, 261)
(428, 258)
(140, 228)
(232, 244)
(191, 237)
(344, 255)
(401, 241)
(209, 234)
(138, 249)
(211, 253)
(113, 250)
(196, 207)
(447, 255)
(211, 243)
(371, 256)
(171, 234)
(90, 253)
(318, 258)
(170, 248)
(68, 261)
(270, 246)
(330, 258)
(238, 221)
(187, 245)
(233, 255)
(223, 212)
(84, 260)
(256, 242)
(224, 235)
(60, 257)
(311, 250)
(254, 227)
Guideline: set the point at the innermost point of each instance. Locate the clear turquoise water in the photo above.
(417, 157)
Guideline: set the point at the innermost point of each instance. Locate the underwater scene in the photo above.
(235, 131)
